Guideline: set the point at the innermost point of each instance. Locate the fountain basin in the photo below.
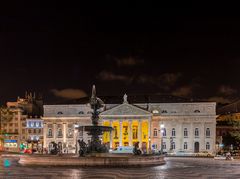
(101, 160)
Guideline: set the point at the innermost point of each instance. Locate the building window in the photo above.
(196, 132)
(16, 124)
(164, 134)
(23, 131)
(34, 131)
(207, 146)
(155, 133)
(70, 133)
(185, 146)
(185, 133)
(49, 132)
(16, 130)
(197, 111)
(164, 145)
(164, 111)
(60, 112)
(59, 134)
(29, 131)
(208, 133)
(11, 124)
(173, 132)
(80, 112)
(173, 145)
(39, 131)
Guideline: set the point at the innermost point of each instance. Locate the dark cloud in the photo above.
(110, 76)
(226, 90)
(69, 93)
(128, 61)
(219, 99)
(184, 91)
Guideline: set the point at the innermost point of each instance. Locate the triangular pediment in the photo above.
(125, 109)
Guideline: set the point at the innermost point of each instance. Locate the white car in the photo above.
(204, 154)
(122, 150)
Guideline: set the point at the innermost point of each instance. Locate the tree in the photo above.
(6, 115)
(233, 136)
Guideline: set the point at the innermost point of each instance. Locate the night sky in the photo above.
(61, 53)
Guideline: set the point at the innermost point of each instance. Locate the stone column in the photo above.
(130, 132)
(149, 134)
(191, 137)
(54, 131)
(44, 134)
(120, 133)
(202, 137)
(140, 133)
(111, 136)
(64, 132)
(179, 135)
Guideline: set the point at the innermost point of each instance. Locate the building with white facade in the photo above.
(188, 126)
(59, 125)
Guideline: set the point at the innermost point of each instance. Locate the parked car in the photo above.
(223, 157)
(204, 154)
(184, 153)
(122, 149)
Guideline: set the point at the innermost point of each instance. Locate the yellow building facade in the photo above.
(131, 124)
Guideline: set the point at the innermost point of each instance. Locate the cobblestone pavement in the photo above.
(177, 168)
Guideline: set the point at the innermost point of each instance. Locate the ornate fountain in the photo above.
(94, 130)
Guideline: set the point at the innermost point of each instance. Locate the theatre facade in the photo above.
(168, 126)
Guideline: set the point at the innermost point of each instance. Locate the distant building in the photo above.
(188, 125)
(14, 129)
(59, 125)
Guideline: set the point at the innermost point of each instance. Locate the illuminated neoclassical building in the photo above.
(186, 125)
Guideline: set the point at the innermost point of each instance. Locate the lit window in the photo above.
(70, 133)
(185, 146)
(59, 134)
(173, 132)
(185, 132)
(164, 145)
(49, 132)
(155, 111)
(155, 133)
(173, 145)
(196, 132)
(207, 146)
(164, 132)
(208, 132)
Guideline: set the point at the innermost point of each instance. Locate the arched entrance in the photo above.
(196, 147)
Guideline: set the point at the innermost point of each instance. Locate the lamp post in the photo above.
(149, 141)
(162, 131)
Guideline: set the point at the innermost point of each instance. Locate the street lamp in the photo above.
(149, 141)
(162, 131)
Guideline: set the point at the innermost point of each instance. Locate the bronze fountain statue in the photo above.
(94, 130)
